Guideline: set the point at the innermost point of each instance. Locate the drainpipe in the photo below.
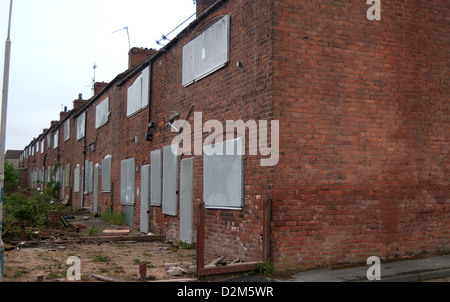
(3, 132)
(149, 134)
(83, 197)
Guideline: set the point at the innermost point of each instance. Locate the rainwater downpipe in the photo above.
(149, 135)
(83, 197)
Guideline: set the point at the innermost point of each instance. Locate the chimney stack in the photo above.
(79, 102)
(137, 55)
(98, 87)
(63, 114)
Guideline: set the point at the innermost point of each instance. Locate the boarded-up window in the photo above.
(186, 200)
(127, 181)
(102, 113)
(80, 126)
(49, 141)
(67, 175)
(206, 53)
(67, 130)
(49, 174)
(56, 140)
(138, 93)
(223, 180)
(58, 174)
(170, 182)
(41, 175)
(155, 178)
(42, 146)
(89, 176)
(76, 179)
(106, 173)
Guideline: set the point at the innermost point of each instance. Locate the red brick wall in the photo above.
(363, 109)
(132, 145)
(231, 93)
(203, 5)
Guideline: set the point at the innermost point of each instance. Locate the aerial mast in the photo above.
(3, 133)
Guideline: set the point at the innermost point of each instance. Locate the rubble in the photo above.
(174, 269)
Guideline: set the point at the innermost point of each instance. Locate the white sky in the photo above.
(55, 44)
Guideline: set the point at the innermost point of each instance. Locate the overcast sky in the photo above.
(55, 44)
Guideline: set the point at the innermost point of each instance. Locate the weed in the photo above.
(187, 246)
(34, 210)
(20, 272)
(100, 258)
(93, 231)
(103, 270)
(52, 275)
(114, 217)
(266, 268)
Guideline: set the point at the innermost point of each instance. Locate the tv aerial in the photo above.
(128, 34)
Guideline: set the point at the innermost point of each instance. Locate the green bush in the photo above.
(266, 268)
(11, 183)
(33, 210)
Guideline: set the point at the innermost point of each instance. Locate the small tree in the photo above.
(11, 178)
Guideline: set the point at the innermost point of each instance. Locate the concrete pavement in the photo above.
(401, 271)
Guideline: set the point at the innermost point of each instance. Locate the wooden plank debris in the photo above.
(98, 239)
(117, 231)
(106, 278)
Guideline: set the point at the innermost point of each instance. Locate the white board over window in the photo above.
(80, 126)
(102, 113)
(76, 179)
(56, 139)
(155, 178)
(170, 182)
(106, 173)
(127, 181)
(206, 53)
(138, 93)
(67, 130)
(223, 180)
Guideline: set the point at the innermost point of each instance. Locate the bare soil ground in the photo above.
(118, 260)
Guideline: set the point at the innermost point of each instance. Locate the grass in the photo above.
(93, 231)
(138, 261)
(100, 258)
(187, 246)
(114, 217)
(20, 272)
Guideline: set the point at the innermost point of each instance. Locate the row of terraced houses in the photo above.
(363, 133)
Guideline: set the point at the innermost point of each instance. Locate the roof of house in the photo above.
(13, 154)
